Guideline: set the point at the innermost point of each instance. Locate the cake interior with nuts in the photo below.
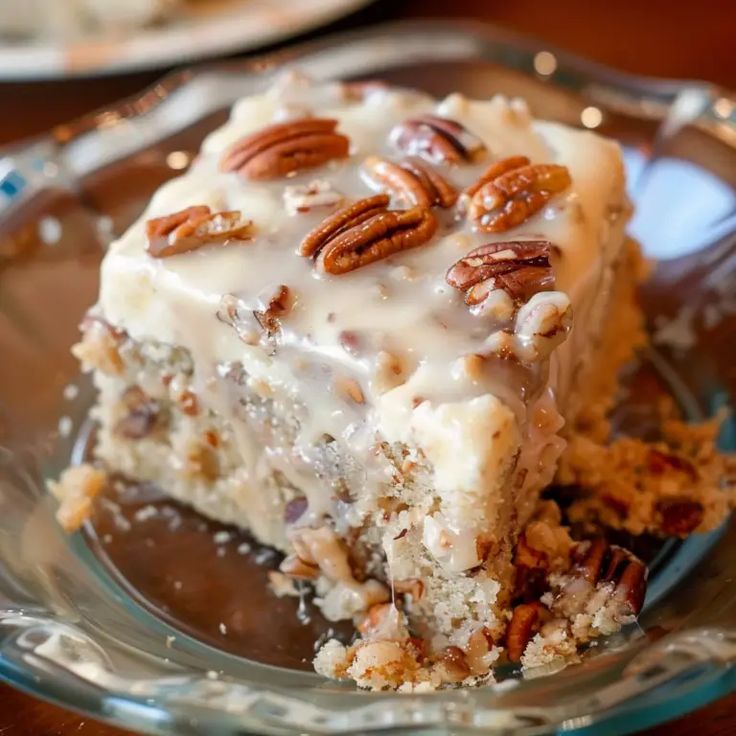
(371, 327)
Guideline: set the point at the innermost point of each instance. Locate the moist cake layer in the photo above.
(364, 338)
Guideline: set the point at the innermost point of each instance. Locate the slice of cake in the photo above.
(358, 327)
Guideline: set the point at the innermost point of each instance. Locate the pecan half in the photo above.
(337, 223)
(599, 562)
(496, 169)
(437, 139)
(480, 645)
(512, 190)
(679, 515)
(365, 232)
(192, 228)
(521, 268)
(412, 180)
(526, 620)
(278, 150)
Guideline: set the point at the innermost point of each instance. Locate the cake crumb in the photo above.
(146, 512)
(76, 490)
(281, 585)
(674, 486)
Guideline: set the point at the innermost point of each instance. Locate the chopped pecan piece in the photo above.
(192, 228)
(437, 139)
(278, 305)
(203, 463)
(412, 586)
(100, 346)
(189, 403)
(512, 190)
(349, 389)
(454, 663)
(295, 567)
(294, 509)
(526, 620)
(412, 180)
(141, 415)
(542, 324)
(278, 150)
(365, 232)
(306, 197)
(376, 618)
(660, 462)
(520, 267)
(680, 515)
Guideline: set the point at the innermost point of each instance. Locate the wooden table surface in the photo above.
(657, 37)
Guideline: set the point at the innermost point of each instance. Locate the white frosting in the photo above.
(469, 425)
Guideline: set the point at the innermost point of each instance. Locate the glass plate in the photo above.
(78, 628)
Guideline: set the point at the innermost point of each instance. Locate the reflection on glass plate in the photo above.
(111, 621)
(54, 43)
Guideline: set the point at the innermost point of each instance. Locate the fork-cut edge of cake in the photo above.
(374, 426)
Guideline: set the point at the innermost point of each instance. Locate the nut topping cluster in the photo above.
(520, 267)
(512, 190)
(519, 272)
(437, 139)
(282, 148)
(364, 232)
(192, 228)
(412, 180)
(598, 576)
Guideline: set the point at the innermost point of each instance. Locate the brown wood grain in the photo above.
(656, 37)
